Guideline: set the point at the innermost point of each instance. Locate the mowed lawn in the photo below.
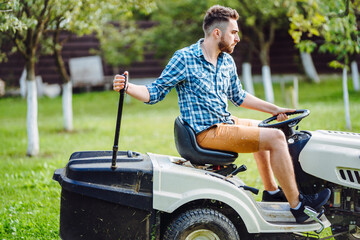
(30, 199)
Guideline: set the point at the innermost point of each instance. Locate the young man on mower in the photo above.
(205, 77)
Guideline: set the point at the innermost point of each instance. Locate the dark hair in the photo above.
(217, 15)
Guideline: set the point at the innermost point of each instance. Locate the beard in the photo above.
(225, 47)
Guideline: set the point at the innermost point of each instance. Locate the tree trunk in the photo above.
(67, 106)
(346, 99)
(355, 75)
(266, 76)
(247, 78)
(22, 83)
(266, 73)
(67, 89)
(32, 112)
(309, 67)
(60, 65)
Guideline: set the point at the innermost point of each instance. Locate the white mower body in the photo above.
(176, 183)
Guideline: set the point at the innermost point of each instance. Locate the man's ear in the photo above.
(217, 33)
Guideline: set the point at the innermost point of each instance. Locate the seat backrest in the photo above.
(188, 148)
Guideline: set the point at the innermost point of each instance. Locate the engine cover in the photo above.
(333, 156)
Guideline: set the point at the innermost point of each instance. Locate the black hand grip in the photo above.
(251, 189)
(242, 168)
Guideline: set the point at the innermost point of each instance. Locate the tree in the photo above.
(121, 43)
(38, 17)
(339, 31)
(90, 17)
(246, 50)
(342, 41)
(259, 19)
(299, 14)
(35, 15)
(178, 25)
(8, 22)
(306, 48)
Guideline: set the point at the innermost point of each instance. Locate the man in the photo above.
(204, 75)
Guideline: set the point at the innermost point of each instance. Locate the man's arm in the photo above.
(139, 92)
(173, 73)
(252, 102)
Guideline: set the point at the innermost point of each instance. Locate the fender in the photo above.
(176, 185)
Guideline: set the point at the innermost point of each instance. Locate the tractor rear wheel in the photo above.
(201, 224)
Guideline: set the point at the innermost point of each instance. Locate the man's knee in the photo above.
(272, 138)
(279, 135)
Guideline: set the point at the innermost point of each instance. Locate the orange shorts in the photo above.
(241, 137)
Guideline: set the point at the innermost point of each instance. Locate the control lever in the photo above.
(251, 189)
(242, 168)
(315, 216)
(118, 124)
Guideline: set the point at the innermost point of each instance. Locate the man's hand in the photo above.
(119, 82)
(281, 113)
(139, 92)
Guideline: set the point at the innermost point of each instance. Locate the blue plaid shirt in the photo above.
(203, 90)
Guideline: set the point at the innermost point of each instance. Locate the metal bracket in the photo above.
(315, 216)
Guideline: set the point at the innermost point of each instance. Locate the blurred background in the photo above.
(291, 37)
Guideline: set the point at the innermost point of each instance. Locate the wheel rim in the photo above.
(202, 234)
(356, 234)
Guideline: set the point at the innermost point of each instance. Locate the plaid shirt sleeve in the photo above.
(173, 73)
(236, 94)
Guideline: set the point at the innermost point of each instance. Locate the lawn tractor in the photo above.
(200, 195)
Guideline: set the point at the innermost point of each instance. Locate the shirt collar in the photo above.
(198, 51)
(197, 48)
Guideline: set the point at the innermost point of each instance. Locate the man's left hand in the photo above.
(281, 114)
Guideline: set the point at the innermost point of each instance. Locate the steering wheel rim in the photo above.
(289, 123)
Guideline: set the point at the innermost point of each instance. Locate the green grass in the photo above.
(30, 199)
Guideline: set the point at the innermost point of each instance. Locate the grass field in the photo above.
(30, 199)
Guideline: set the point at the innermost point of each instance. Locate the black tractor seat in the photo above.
(188, 148)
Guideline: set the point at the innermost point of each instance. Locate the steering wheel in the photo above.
(287, 125)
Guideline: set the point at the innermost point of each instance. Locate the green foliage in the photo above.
(336, 64)
(304, 19)
(259, 13)
(341, 39)
(9, 22)
(259, 19)
(15, 20)
(122, 41)
(78, 17)
(306, 46)
(179, 25)
(121, 45)
(88, 16)
(332, 20)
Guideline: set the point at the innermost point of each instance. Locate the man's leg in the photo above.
(262, 159)
(274, 141)
(247, 138)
